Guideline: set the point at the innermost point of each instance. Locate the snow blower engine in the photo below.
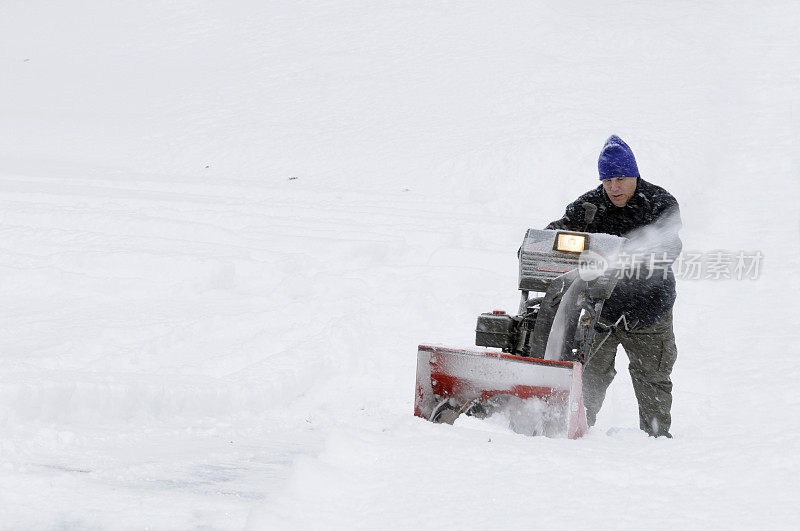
(533, 377)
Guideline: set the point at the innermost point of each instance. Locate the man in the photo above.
(641, 304)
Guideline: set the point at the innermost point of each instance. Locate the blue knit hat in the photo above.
(616, 160)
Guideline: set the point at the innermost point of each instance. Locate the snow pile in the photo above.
(225, 229)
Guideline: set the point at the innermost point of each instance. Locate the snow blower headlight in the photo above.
(571, 243)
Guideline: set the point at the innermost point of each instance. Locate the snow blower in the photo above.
(533, 374)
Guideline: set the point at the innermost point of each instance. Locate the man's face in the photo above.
(620, 189)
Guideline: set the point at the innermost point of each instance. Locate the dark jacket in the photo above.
(640, 298)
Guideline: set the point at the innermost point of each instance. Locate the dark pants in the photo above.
(651, 351)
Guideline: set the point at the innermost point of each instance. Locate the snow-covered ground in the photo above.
(225, 227)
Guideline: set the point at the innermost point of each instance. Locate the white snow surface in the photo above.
(226, 226)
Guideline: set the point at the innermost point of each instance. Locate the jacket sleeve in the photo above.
(571, 220)
(666, 226)
(567, 222)
(669, 223)
(657, 245)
